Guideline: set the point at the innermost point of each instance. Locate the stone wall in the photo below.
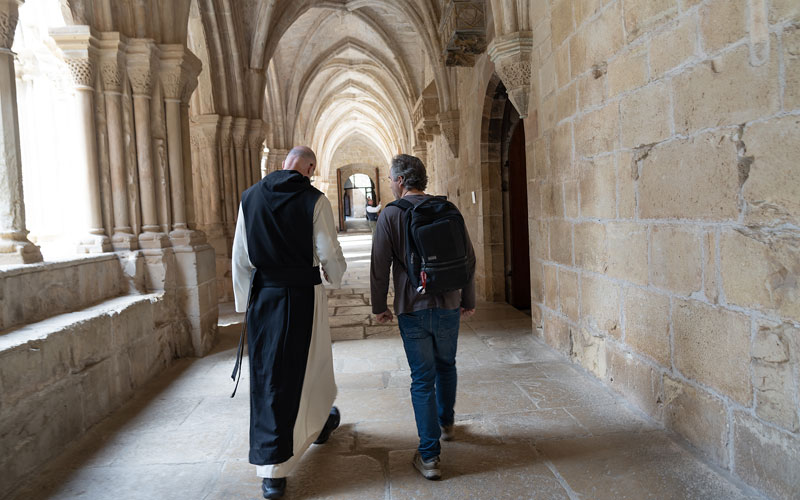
(662, 144)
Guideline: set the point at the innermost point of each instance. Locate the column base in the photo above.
(16, 249)
(95, 243)
(187, 238)
(151, 240)
(124, 241)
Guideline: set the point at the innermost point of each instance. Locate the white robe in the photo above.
(319, 387)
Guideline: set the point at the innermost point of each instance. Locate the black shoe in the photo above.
(333, 422)
(273, 488)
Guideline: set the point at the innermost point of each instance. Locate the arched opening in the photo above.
(355, 184)
(505, 214)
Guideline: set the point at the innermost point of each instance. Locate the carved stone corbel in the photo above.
(463, 31)
(449, 125)
(511, 55)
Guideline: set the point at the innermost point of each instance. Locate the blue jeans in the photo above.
(430, 338)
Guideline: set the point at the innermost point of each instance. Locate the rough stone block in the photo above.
(627, 175)
(699, 417)
(695, 178)
(561, 22)
(597, 40)
(676, 259)
(350, 320)
(791, 58)
(561, 242)
(537, 281)
(563, 76)
(600, 300)
(90, 342)
(722, 22)
(761, 270)
(674, 46)
(568, 293)
(639, 382)
(710, 284)
(598, 188)
(571, 199)
(590, 351)
(727, 90)
(642, 16)
(596, 131)
(592, 89)
(766, 458)
(585, 9)
(712, 346)
(561, 149)
(566, 102)
(558, 334)
(627, 72)
(645, 116)
(771, 178)
(783, 10)
(647, 324)
(775, 357)
(547, 77)
(774, 386)
(551, 287)
(618, 249)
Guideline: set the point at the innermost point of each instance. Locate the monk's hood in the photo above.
(281, 187)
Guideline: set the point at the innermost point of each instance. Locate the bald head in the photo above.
(302, 159)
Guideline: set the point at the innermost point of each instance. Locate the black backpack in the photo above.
(436, 245)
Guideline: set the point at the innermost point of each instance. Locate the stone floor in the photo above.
(529, 425)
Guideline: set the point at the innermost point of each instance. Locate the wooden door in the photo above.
(518, 201)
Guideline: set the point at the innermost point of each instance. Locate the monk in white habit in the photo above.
(285, 235)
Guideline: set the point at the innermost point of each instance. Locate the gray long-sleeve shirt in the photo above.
(389, 251)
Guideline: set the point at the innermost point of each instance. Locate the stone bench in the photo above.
(61, 375)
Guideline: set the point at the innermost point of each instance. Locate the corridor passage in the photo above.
(529, 425)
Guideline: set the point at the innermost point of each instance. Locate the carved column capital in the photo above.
(255, 134)
(178, 71)
(81, 52)
(142, 63)
(9, 15)
(225, 131)
(511, 55)
(205, 131)
(449, 123)
(112, 61)
(239, 132)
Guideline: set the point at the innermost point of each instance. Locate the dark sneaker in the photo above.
(273, 488)
(448, 432)
(333, 422)
(430, 469)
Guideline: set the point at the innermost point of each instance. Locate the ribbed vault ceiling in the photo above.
(342, 72)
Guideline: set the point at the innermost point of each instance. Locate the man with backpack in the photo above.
(424, 241)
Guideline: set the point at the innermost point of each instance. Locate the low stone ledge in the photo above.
(62, 375)
(33, 292)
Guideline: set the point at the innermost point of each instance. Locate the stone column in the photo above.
(205, 135)
(511, 55)
(228, 176)
(275, 159)
(178, 68)
(141, 58)
(112, 70)
(14, 245)
(255, 141)
(81, 52)
(239, 145)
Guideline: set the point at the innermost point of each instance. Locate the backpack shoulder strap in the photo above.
(405, 205)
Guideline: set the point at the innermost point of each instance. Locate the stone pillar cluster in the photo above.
(14, 245)
(226, 160)
(137, 193)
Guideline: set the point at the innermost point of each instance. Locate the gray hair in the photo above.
(411, 169)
